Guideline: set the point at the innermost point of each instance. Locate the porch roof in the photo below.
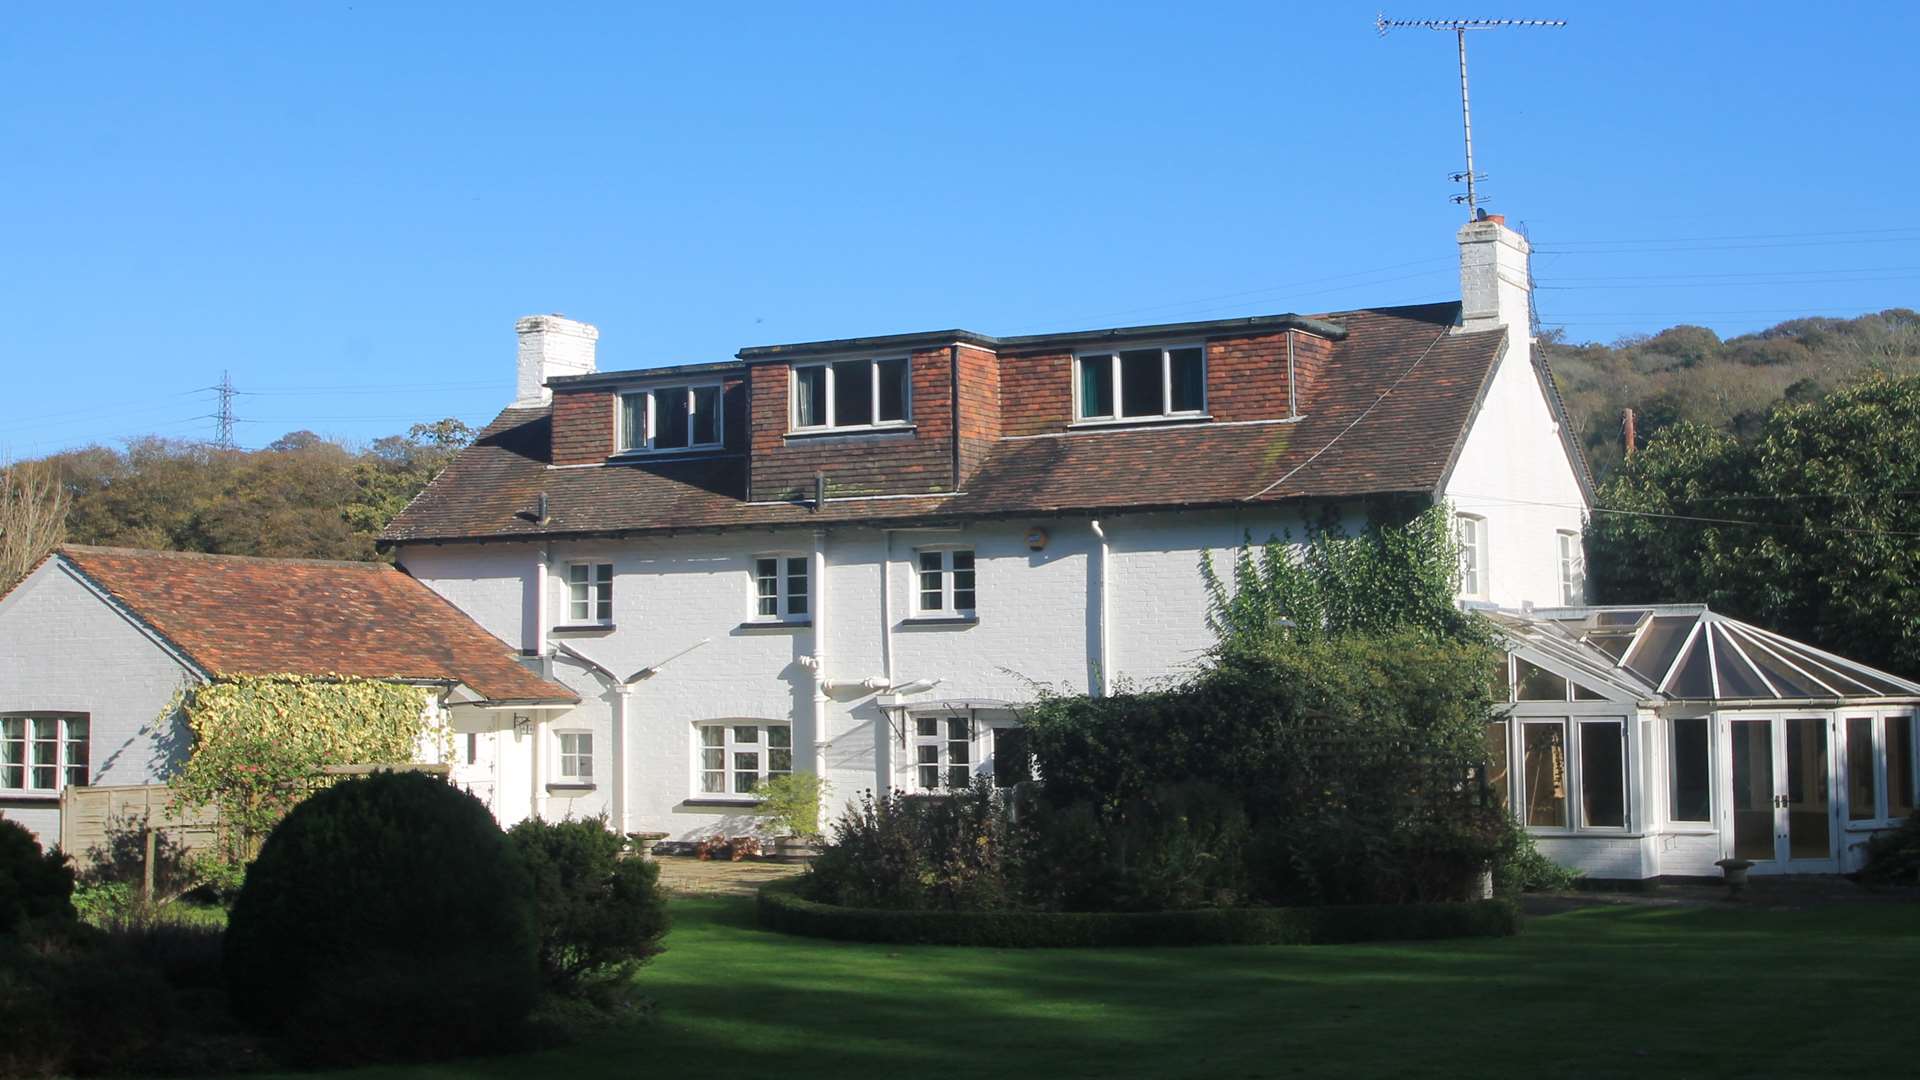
(1686, 652)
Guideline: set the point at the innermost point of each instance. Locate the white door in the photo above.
(1782, 772)
(476, 765)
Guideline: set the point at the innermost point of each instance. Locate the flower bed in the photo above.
(782, 908)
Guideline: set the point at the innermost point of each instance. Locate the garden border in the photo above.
(780, 907)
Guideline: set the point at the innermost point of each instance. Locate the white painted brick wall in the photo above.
(62, 649)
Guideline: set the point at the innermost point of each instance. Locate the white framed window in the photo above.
(739, 759)
(670, 418)
(943, 752)
(946, 583)
(1128, 384)
(1543, 774)
(576, 757)
(780, 587)
(44, 754)
(589, 593)
(1470, 540)
(1603, 774)
(1573, 568)
(852, 394)
(1690, 798)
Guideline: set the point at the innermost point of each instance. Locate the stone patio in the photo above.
(684, 875)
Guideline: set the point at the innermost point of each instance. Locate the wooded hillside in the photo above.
(301, 496)
(1686, 373)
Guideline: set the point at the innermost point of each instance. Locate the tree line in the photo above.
(301, 496)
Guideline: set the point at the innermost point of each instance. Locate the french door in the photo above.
(1782, 770)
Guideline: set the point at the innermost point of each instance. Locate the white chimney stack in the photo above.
(1494, 289)
(551, 345)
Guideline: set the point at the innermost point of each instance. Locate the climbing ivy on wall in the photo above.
(260, 743)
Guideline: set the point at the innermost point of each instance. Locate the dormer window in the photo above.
(851, 394)
(670, 418)
(1141, 384)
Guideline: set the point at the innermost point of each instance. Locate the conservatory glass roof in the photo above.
(1685, 652)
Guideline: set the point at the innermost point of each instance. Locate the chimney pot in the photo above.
(551, 346)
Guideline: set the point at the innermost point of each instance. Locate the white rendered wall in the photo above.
(64, 649)
(1038, 624)
(1514, 470)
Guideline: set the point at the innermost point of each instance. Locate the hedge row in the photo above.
(782, 909)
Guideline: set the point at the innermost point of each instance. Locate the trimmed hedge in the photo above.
(782, 908)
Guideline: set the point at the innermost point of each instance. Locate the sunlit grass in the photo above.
(1599, 992)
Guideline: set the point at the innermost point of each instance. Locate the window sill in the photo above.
(17, 795)
(723, 801)
(940, 620)
(863, 429)
(583, 628)
(571, 787)
(1140, 421)
(776, 624)
(642, 453)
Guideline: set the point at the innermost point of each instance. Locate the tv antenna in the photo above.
(1382, 24)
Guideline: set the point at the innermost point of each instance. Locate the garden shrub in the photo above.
(905, 851)
(36, 887)
(386, 918)
(790, 803)
(121, 859)
(599, 916)
(1893, 858)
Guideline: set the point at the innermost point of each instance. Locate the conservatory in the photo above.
(1654, 741)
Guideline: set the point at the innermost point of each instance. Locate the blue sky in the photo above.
(348, 205)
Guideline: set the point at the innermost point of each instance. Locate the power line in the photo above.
(1742, 236)
(1801, 526)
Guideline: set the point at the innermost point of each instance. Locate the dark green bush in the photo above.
(600, 916)
(136, 1001)
(1893, 858)
(386, 918)
(895, 850)
(36, 887)
(782, 907)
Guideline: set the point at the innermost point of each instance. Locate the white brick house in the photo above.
(855, 557)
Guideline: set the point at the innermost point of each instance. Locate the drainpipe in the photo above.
(818, 576)
(1103, 673)
(537, 760)
(622, 709)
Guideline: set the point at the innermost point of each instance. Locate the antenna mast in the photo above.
(1382, 25)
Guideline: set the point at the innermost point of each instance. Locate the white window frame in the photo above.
(1167, 411)
(935, 750)
(1880, 720)
(732, 748)
(1573, 568)
(572, 750)
(644, 444)
(783, 592)
(20, 738)
(949, 592)
(873, 394)
(594, 595)
(1470, 537)
(1671, 769)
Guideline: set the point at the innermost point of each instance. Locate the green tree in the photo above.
(1811, 526)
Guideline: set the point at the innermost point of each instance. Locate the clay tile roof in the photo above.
(244, 616)
(1387, 416)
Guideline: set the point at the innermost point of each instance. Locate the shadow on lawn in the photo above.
(1593, 993)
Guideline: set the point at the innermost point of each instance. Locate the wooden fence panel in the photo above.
(89, 814)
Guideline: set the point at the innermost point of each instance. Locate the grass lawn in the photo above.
(1612, 991)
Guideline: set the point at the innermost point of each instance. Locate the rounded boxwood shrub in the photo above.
(782, 908)
(36, 887)
(386, 918)
(601, 916)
